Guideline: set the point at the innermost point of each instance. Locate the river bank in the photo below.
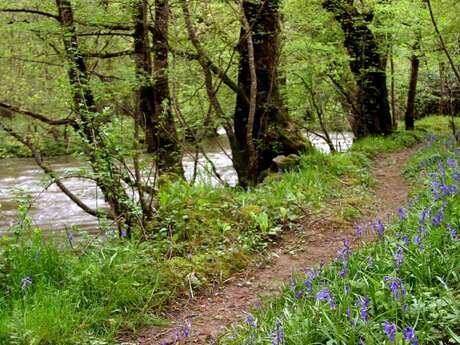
(201, 236)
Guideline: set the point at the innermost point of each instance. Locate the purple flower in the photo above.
(379, 228)
(309, 281)
(123, 233)
(25, 282)
(399, 258)
(405, 240)
(453, 232)
(456, 176)
(437, 219)
(442, 169)
(422, 231)
(361, 342)
(423, 215)
(390, 330)
(299, 294)
(417, 240)
(278, 334)
(359, 231)
(402, 213)
(409, 335)
(347, 289)
(370, 262)
(251, 321)
(325, 295)
(187, 329)
(363, 311)
(396, 287)
(452, 163)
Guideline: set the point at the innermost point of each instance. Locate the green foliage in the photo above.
(420, 250)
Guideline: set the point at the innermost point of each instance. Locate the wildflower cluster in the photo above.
(388, 292)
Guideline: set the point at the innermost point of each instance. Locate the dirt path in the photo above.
(317, 241)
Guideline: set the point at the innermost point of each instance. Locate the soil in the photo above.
(316, 241)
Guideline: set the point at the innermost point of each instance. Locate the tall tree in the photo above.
(409, 117)
(262, 126)
(108, 176)
(154, 107)
(368, 65)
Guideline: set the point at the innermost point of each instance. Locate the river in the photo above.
(52, 210)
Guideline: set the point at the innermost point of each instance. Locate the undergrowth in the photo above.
(402, 288)
(88, 291)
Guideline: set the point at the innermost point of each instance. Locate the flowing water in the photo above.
(53, 210)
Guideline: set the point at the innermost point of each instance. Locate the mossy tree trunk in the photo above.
(261, 121)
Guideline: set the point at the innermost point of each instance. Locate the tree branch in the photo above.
(39, 117)
(107, 55)
(30, 11)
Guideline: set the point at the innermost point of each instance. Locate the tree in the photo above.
(368, 65)
(154, 104)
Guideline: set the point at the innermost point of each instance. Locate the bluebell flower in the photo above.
(299, 294)
(123, 233)
(370, 262)
(456, 176)
(309, 281)
(437, 219)
(325, 295)
(422, 231)
(251, 321)
(363, 311)
(278, 334)
(452, 163)
(361, 342)
(359, 231)
(396, 287)
(379, 228)
(25, 282)
(453, 232)
(402, 213)
(409, 335)
(442, 169)
(399, 257)
(405, 240)
(423, 215)
(187, 329)
(390, 330)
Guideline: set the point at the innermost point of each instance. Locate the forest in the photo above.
(229, 172)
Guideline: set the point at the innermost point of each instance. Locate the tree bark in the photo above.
(409, 117)
(368, 64)
(154, 108)
(272, 132)
(168, 144)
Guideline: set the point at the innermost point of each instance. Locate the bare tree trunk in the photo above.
(368, 64)
(409, 117)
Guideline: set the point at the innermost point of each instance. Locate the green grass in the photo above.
(429, 272)
(201, 235)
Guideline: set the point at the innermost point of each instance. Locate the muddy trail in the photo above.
(317, 240)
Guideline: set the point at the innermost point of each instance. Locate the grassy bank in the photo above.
(85, 293)
(401, 289)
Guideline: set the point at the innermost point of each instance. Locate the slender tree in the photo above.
(409, 117)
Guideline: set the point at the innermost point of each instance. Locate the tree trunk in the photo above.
(410, 110)
(168, 147)
(108, 176)
(368, 64)
(272, 132)
(153, 94)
